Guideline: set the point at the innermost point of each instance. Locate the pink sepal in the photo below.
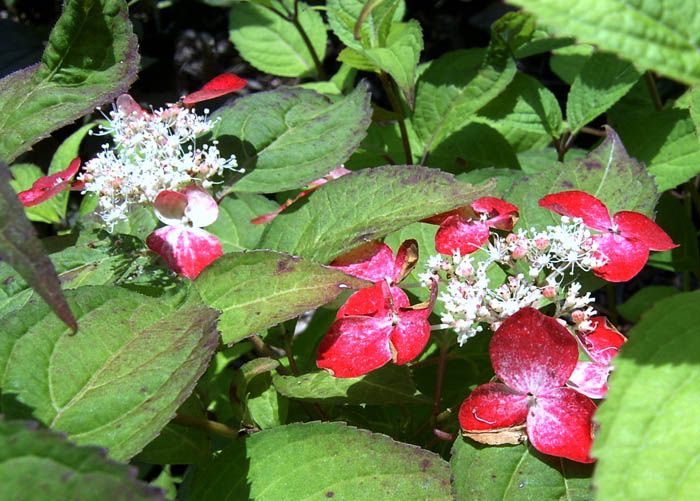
(355, 345)
(639, 227)
(169, 207)
(127, 105)
(186, 250)
(49, 186)
(375, 299)
(501, 214)
(626, 257)
(218, 86)
(560, 424)
(457, 234)
(492, 406)
(410, 335)
(579, 204)
(533, 353)
(591, 379)
(603, 343)
(372, 261)
(192, 203)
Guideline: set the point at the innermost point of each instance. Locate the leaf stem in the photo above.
(593, 132)
(396, 106)
(612, 304)
(206, 425)
(444, 346)
(653, 91)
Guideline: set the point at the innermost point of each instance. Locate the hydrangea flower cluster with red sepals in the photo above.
(376, 325)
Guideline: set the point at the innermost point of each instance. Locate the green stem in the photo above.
(320, 72)
(396, 106)
(444, 346)
(205, 424)
(653, 91)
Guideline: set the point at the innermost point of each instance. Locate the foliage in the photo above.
(306, 292)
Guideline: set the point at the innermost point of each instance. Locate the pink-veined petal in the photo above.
(457, 233)
(201, 208)
(355, 345)
(218, 86)
(492, 406)
(579, 204)
(186, 250)
(371, 300)
(49, 186)
(533, 353)
(410, 335)
(559, 424)
(626, 257)
(170, 206)
(372, 261)
(603, 343)
(127, 105)
(639, 227)
(591, 379)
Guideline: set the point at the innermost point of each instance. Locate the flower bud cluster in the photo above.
(536, 263)
(152, 152)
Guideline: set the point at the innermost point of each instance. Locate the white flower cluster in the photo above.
(152, 152)
(546, 257)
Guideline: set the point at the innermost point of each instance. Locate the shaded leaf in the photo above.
(41, 464)
(387, 385)
(118, 381)
(24, 176)
(259, 289)
(648, 438)
(91, 57)
(323, 460)
(364, 206)
(288, 137)
(642, 301)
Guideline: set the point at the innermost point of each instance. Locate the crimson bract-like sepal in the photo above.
(186, 248)
(375, 261)
(49, 186)
(374, 327)
(217, 87)
(624, 240)
(534, 356)
(466, 229)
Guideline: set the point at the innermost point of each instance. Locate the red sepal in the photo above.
(626, 257)
(372, 261)
(639, 227)
(186, 250)
(603, 343)
(455, 233)
(218, 86)
(492, 406)
(591, 379)
(579, 204)
(49, 186)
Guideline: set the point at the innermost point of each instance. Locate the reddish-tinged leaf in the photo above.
(533, 353)
(626, 257)
(638, 226)
(372, 261)
(410, 335)
(49, 186)
(492, 406)
(591, 379)
(456, 233)
(355, 345)
(186, 250)
(217, 87)
(579, 204)
(560, 424)
(603, 343)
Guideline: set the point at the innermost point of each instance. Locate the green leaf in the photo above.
(516, 472)
(667, 142)
(601, 173)
(661, 35)
(603, 80)
(364, 206)
(389, 385)
(446, 101)
(567, 62)
(259, 289)
(288, 137)
(119, 380)
(343, 16)
(322, 460)
(91, 57)
(676, 218)
(41, 464)
(24, 176)
(266, 407)
(526, 113)
(233, 227)
(22, 250)
(642, 301)
(178, 444)
(400, 56)
(649, 441)
(274, 45)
